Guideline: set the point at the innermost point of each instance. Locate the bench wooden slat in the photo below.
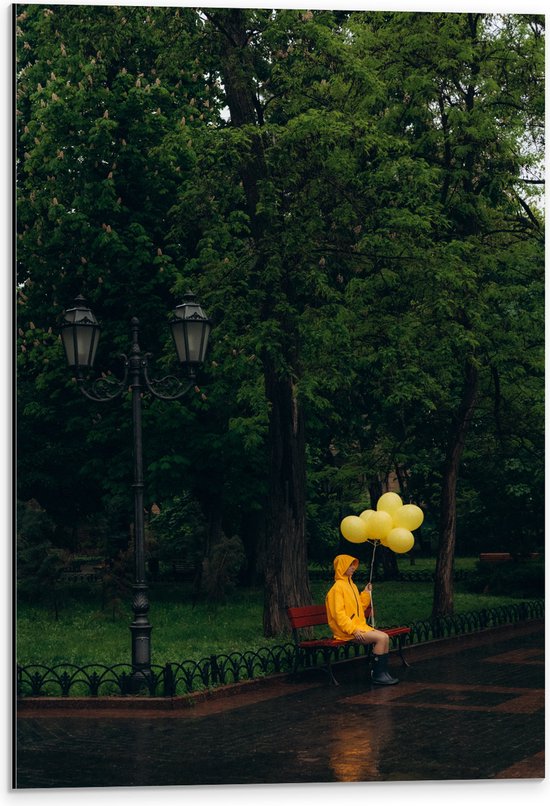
(396, 630)
(495, 556)
(309, 616)
(503, 556)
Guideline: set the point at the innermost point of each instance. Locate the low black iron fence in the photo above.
(475, 621)
(176, 679)
(172, 679)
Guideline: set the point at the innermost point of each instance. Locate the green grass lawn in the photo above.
(84, 633)
(412, 563)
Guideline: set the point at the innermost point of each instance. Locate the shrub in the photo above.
(221, 569)
(512, 578)
(39, 565)
(178, 531)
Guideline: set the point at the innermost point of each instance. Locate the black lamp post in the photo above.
(80, 335)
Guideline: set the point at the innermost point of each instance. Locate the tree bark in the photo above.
(286, 575)
(443, 603)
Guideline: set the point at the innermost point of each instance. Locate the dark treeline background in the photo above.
(353, 198)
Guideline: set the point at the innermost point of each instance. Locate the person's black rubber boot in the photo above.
(379, 673)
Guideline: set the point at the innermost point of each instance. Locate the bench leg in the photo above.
(326, 668)
(296, 663)
(300, 662)
(400, 652)
(332, 680)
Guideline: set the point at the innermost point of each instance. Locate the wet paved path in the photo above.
(468, 708)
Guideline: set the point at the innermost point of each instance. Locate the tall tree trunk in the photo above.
(286, 577)
(443, 604)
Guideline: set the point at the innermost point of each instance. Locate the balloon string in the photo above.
(370, 580)
(371, 610)
(372, 560)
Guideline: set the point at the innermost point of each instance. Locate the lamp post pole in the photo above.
(80, 334)
(140, 627)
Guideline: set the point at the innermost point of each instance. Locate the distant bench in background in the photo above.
(502, 556)
(183, 571)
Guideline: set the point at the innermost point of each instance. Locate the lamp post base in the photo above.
(141, 638)
(141, 656)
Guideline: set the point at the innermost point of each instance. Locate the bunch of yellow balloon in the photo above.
(392, 523)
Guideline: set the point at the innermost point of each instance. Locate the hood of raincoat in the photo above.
(341, 564)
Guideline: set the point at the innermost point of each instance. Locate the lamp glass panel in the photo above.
(207, 327)
(195, 338)
(86, 345)
(67, 336)
(179, 340)
(94, 345)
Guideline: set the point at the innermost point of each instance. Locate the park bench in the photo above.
(307, 651)
(183, 570)
(76, 572)
(501, 556)
(495, 557)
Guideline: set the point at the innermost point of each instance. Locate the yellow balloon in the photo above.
(379, 525)
(365, 515)
(400, 540)
(408, 517)
(389, 502)
(354, 529)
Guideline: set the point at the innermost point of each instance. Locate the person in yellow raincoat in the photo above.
(346, 617)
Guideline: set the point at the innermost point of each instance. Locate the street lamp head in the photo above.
(80, 335)
(190, 330)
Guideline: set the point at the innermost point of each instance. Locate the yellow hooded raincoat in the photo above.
(345, 605)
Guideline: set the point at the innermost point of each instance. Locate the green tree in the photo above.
(105, 115)
(304, 106)
(467, 92)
